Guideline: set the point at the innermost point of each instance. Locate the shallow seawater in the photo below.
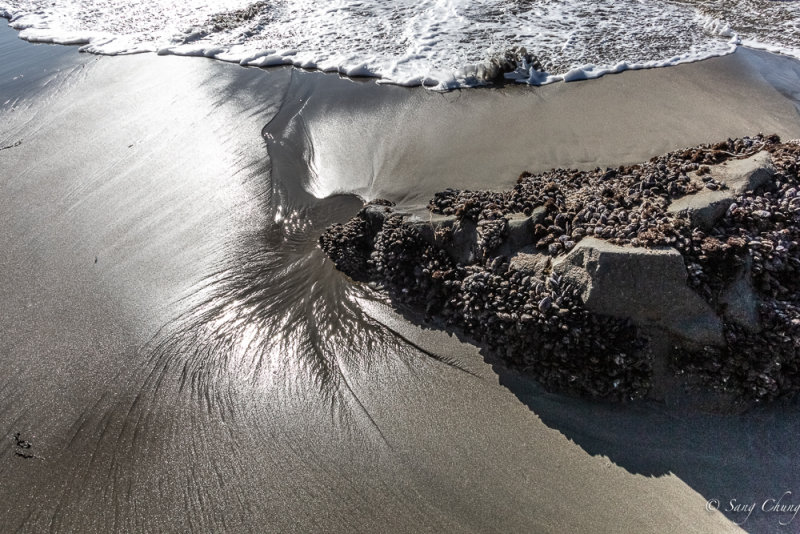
(441, 43)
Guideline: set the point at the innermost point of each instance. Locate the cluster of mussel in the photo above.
(760, 233)
(535, 322)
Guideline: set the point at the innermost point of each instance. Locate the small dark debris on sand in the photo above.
(12, 145)
(501, 267)
(22, 448)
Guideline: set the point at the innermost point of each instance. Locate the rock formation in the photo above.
(611, 283)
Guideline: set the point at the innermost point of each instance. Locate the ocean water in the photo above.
(437, 43)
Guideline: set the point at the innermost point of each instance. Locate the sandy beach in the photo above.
(180, 356)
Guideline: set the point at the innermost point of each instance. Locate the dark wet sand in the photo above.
(180, 355)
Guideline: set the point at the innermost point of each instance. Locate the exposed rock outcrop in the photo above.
(646, 285)
(612, 283)
(732, 178)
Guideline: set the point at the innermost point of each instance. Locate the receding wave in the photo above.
(438, 43)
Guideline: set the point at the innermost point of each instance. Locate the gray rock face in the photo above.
(462, 236)
(741, 301)
(377, 214)
(462, 241)
(521, 231)
(647, 285)
(741, 175)
(462, 247)
(529, 262)
(706, 207)
(430, 229)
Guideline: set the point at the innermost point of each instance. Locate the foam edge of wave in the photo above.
(482, 74)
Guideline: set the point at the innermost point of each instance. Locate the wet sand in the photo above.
(383, 141)
(181, 357)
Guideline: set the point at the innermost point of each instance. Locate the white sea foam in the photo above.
(439, 43)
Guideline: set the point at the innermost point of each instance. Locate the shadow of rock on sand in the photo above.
(740, 458)
(748, 457)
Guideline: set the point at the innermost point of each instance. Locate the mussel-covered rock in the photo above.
(563, 275)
